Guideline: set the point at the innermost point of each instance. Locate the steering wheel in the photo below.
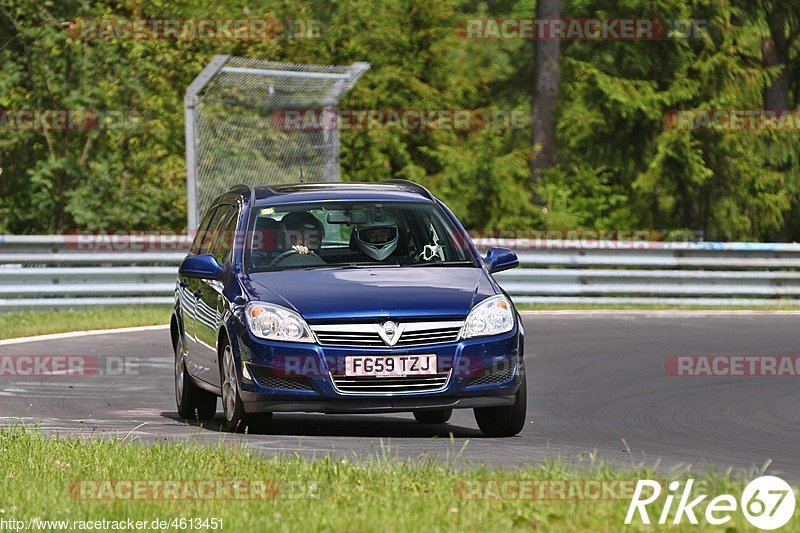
(281, 257)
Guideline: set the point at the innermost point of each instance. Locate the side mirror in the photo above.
(499, 259)
(203, 266)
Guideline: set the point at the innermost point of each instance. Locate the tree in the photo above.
(616, 165)
(775, 46)
(545, 99)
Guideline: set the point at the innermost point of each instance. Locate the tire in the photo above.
(236, 419)
(193, 402)
(505, 421)
(433, 416)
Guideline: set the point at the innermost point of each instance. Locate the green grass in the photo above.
(649, 307)
(37, 322)
(381, 494)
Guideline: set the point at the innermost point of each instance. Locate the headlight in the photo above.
(273, 322)
(490, 317)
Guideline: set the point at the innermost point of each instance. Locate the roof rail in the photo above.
(413, 185)
(247, 186)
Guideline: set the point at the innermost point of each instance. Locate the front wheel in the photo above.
(235, 417)
(505, 421)
(192, 401)
(433, 416)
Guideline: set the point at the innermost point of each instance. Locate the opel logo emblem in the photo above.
(389, 332)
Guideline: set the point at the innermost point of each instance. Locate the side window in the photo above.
(202, 230)
(210, 236)
(227, 235)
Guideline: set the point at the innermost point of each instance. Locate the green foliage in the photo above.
(619, 166)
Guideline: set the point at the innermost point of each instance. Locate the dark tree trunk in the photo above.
(545, 96)
(775, 52)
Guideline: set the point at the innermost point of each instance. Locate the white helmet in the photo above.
(377, 239)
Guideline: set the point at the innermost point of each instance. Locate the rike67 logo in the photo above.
(767, 503)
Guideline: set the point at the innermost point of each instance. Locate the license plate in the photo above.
(390, 365)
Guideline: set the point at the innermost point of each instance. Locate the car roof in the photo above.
(390, 190)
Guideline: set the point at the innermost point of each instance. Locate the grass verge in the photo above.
(46, 479)
(37, 322)
(648, 307)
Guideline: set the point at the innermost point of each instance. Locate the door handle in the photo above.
(183, 284)
(198, 294)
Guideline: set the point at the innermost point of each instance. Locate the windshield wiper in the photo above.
(443, 263)
(348, 266)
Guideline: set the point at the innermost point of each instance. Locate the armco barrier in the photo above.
(67, 271)
(80, 270)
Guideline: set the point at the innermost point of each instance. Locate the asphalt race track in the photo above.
(597, 387)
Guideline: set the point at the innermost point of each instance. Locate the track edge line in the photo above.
(73, 334)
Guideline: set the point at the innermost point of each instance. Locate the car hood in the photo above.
(340, 294)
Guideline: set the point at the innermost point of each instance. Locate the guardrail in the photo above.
(67, 271)
(77, 270)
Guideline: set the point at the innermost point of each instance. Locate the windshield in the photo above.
(352, 235)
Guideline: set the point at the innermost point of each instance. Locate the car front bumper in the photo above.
(482, 372)
(256, 402)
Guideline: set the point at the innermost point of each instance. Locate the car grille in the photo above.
(368, 335)
(266, 377)
(371, 385)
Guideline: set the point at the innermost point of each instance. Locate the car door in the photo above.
(184, 289)
(196, 362)
(210, 304)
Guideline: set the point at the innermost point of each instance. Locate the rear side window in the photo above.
(226, 235)
(211, 234)
(202, 231)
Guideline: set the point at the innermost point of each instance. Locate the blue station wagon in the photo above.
(344, 298)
